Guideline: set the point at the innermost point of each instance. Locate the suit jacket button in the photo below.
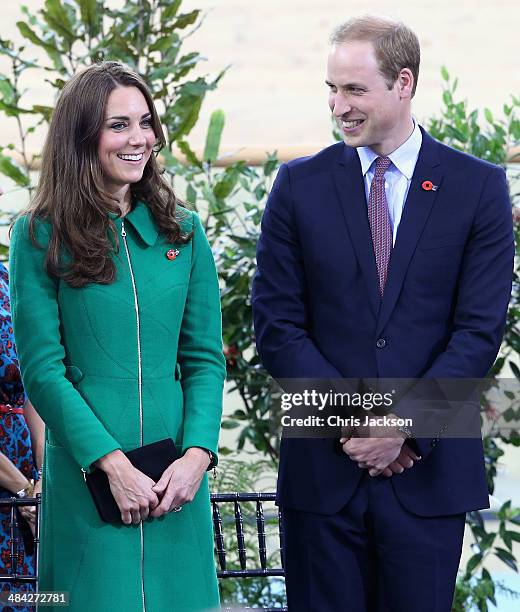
(381, 343)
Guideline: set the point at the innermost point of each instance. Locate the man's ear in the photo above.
(405, 83)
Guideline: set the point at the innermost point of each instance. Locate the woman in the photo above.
(21, 433)
(117, 322)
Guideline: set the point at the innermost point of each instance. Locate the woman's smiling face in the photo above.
(127, 139)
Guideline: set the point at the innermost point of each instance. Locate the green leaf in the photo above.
(229, 424)
(6, 90)
(57, 19)
(57, 62)
(13, 171)
(191, 194)
(511, 536)
(216, 125)
(188, 152)
(170, 11)
(185, 64)
(25, 11)
(456, 134)
(472, 563)
(185, 20)
(226, 183)
(488, 115)
(13, 111)
(508, 541)
(182, 116)
(46, 111)
(160, 73)
(514, 368)
(223, 450)
(90, 16)
(119, 48)
(271, 164)
(507, 558)
(445, 74)
(165, 43)
(59, 84)
(486, 541)
(28, 33)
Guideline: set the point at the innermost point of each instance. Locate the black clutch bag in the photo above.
(151, 459)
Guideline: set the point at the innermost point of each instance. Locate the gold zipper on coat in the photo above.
(140, 389)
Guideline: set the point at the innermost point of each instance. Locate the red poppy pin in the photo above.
(172, 254)
(429, 186)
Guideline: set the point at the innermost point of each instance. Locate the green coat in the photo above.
(79, 356)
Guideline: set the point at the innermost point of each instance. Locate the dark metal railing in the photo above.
(222, 519)
(14, 536)
(237, 499)
(244, 528)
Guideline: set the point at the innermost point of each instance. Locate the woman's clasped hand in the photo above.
(180, 481)
(139, 497)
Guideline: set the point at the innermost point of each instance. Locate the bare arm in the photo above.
(37, 429)
(10, 476)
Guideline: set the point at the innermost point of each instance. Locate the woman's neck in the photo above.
(123, 197)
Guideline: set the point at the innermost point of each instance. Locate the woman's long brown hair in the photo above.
(70, 194)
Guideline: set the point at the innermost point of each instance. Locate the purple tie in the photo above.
(380, 220)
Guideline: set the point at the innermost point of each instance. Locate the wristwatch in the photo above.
(26, 491)
(212, 460)
(406, 431)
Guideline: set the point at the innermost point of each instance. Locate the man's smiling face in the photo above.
(368, 113)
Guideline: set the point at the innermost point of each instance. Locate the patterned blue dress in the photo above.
(15, 442)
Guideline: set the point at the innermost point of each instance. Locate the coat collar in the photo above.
(141, 219)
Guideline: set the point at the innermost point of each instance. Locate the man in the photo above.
(388, 255)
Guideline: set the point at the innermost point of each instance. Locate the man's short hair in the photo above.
(395, 45)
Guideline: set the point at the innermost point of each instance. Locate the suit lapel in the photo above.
(418, 206)
(352, 199)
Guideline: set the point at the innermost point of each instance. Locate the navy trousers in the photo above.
(372, 556)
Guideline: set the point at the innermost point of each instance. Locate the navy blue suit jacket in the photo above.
(318, 312)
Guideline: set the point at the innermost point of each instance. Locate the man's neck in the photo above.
(387, 147)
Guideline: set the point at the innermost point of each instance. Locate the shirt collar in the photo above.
(141, 219)
(403, 158)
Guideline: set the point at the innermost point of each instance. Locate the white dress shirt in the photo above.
(398, 176)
